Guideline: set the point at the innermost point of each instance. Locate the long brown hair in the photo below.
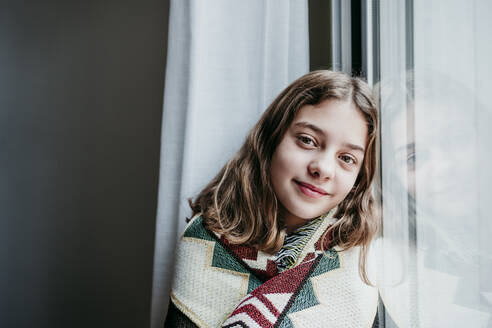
(240, 203)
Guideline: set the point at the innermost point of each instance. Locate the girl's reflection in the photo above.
(430, 197)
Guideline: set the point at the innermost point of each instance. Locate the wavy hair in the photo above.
(240, 202)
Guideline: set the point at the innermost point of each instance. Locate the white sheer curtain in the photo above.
(227, 60)
(436, 155)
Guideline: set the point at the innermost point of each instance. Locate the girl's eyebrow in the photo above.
(310, 126)
(320, 131)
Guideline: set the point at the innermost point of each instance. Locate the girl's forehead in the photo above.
(335, 119)
(329, 110)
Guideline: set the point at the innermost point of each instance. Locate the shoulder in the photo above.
(196, 229)
(207, 282)
(345, 290)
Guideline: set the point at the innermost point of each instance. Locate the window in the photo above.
(430, 63)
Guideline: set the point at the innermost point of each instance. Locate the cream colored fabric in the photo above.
(345, 301)
(192, 290)
(208, 295)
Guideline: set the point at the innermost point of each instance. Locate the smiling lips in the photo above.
(310, 190)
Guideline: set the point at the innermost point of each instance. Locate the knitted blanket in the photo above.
(217, 284)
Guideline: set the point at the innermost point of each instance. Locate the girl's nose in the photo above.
(322, 168)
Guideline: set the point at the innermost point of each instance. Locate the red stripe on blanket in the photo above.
(254, 313)
(271, 271)
(269, 305)
(309, 257)
(244, 252)
(287, 281)
(266, 303)
(251, 254)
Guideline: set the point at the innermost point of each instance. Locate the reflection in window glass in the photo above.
(436, 148)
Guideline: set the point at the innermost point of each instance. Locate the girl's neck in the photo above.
(292, 222)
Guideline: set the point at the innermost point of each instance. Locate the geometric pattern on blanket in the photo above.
(205, 294)
(218, 284)
(261, 264)
(344, 300)
(289, 292)
(208, 282)
(222, 257)
(268, 303)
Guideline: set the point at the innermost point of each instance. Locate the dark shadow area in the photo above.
(356, 29)
(80, 122)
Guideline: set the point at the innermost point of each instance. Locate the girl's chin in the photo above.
(303, 211)
(306, 215)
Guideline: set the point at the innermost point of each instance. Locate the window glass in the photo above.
(436, 149)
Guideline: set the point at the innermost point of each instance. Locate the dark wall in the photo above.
(81, 86)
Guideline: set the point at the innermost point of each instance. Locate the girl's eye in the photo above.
(347, 159)
(307, 141)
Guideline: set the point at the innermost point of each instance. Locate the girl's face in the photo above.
(318, 160)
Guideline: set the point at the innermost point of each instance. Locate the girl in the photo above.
(279, 237)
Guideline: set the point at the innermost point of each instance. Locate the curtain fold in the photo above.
(227, 60)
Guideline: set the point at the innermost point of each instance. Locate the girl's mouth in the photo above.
(310, 190)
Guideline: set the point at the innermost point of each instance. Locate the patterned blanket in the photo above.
(217, 284)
